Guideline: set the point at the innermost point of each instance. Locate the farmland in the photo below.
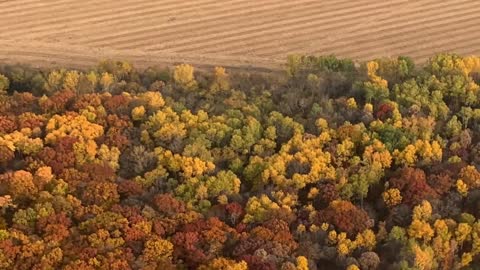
(232, 33)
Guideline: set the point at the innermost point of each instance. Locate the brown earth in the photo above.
(231, 33)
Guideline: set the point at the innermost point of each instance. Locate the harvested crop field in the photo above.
(232, 33)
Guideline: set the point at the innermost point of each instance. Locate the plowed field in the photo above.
(232, 33)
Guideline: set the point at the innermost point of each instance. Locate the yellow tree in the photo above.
(22, 142)
(85, 151)
(109, 156)
(424, 258)
(308, 164)
(470, 176)
(165, 126)
(92, 78)
(421, 230)
(54, 81)
(421, 151)
(224, 264)
(138, 113)
(78, 126)
(157, 249)
(21, 184)
(302, 263)
(463, 233)
(462, 188)
(183, 76)
(376, 88)
(422, 211)
(187, 166)
(220, 81)
(259, 208)
(470, 64)
(392, 197)
(106, 81)
(70, 80)
(154, 100)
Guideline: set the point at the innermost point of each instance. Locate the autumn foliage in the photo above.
(329, 165)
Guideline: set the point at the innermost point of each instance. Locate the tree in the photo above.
(7, 124)
(57, 102)
(183, 76)
(302, 263)
(106, 81)
(157, 250)
(70, 80)
(413, 186)
(154, 100)
(72, 125)
(224, 264)
(225, 182)
(43, 176)
(166, 127)
(369, 260)
(7, 151)
(21, 185)
(470, 176)
(258, 209)
(136, 161)
(424, 258)
(54, 81)
(103, 194)
(466, 113)
(377, 88)
(345, 216)
(453, 127)
(87, 83)
(4, 84)
(221, 81)
(201, 241)
(419, 93)
(392, 197)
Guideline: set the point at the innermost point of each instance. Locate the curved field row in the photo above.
(233, 33)
(309, 18)
(225, 15)
(212, 30)
(441, 34)
(364, 46)
(108, 18)
(413, 29)
(73, 14)
(53, 55)
(361, 35)
(230, 25)
(124, 17)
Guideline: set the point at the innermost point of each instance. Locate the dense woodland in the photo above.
(329, 164)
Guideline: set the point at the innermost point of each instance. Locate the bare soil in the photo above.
(232, 33)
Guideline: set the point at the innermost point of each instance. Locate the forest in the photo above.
(327, 164)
